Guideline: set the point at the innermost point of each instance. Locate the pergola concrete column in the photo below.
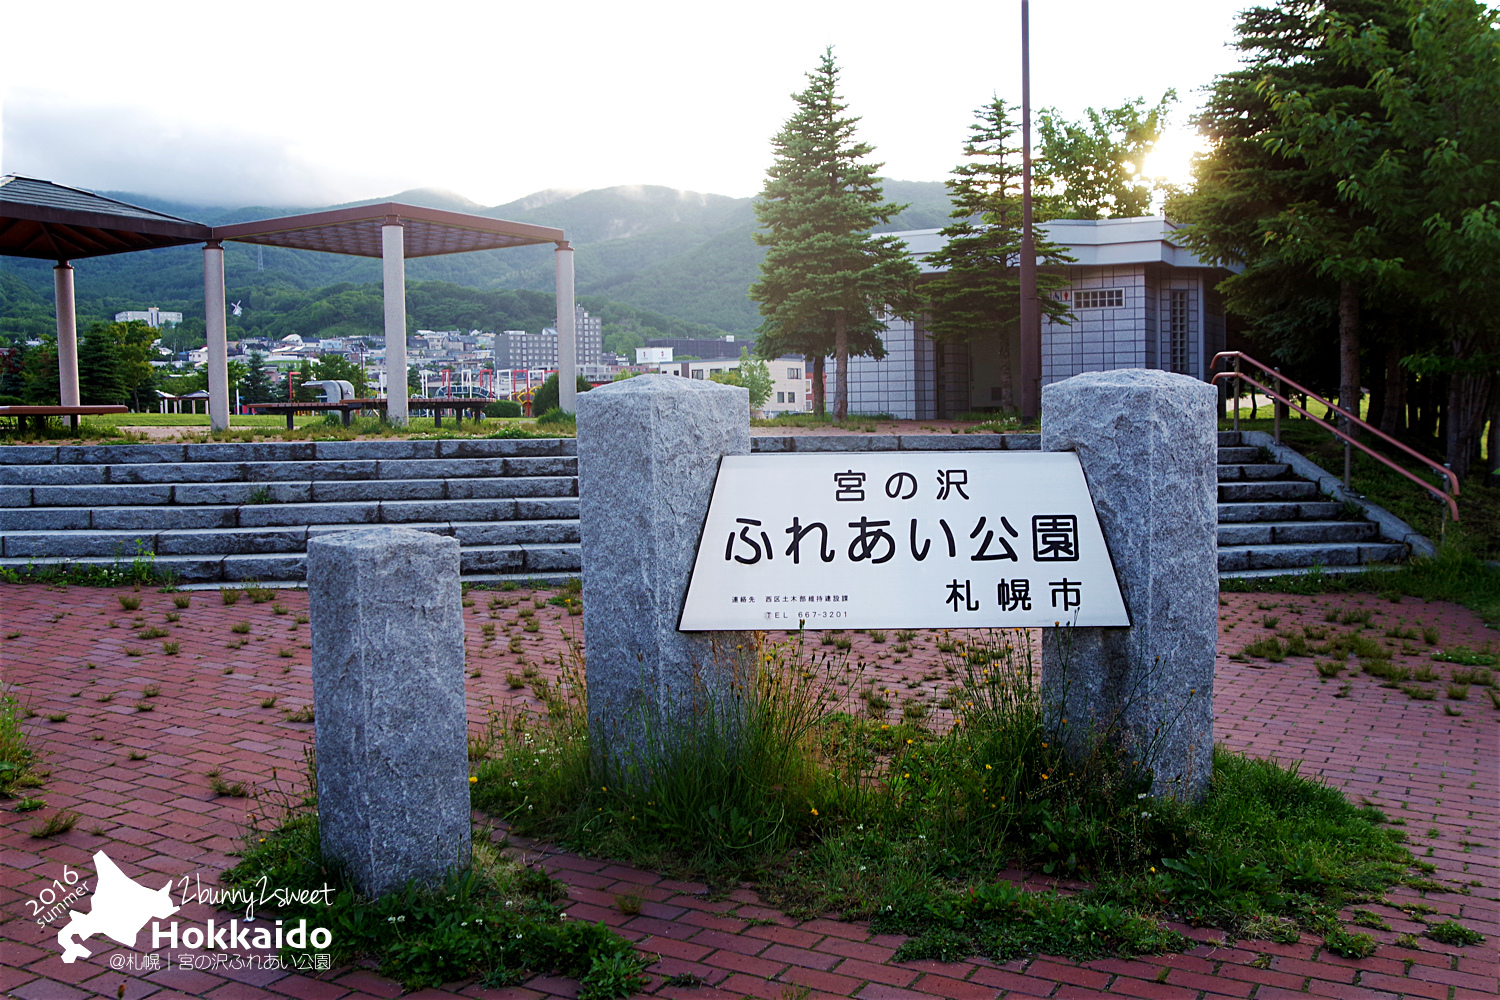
(393, 260)
(217, 329)
(67, 334)
(567, 332)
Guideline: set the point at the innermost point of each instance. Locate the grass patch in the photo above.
(493, 921)
(17, 758)
(911, 827)
(1454, 574)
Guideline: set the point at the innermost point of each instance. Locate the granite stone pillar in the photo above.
(1148, 444)
(388, 696)
(648, 453)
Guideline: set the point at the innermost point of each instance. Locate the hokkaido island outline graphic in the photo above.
(121, 907)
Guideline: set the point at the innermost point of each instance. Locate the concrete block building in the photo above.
(1137, 299)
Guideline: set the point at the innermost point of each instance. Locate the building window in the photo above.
(794, 374)
(781, 397)
(791, 397)
(1102, 298)
(1178, 342)
(698, 374)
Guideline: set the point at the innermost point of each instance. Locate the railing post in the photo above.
(1237, 386)
(1348, 455)
(1276, 407)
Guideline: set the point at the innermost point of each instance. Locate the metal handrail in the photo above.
(1446, 497)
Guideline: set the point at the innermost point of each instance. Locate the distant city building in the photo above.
(153, 317)
(519, 349)
(706, 349)
(791, 391)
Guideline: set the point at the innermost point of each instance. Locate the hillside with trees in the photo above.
(678, 256)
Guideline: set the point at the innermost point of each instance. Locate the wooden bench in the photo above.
(41, 413)
(347, 407)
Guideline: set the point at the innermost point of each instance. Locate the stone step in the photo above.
(284, 451)
(1241, 472)
(261, 541)
(518, 561)
(1229, 456)
(273, 493)
(1290, 489)
(267, 472)
(1229, 439)
(1296, 532)
(1253, 557)
(274, 515)
(1311, 510)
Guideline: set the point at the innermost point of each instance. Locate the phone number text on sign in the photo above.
(902, 540)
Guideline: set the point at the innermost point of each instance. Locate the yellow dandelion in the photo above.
(473, 779)
(988, 768)
(814, 812)
(1044, 777)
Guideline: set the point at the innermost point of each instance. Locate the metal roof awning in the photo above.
(47, 221)
(357, 231)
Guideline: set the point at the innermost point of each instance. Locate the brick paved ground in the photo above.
(139, 732)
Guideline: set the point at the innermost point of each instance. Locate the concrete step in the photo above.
(272, 493)
(1296, 532)
(261, 541)
(1241, 472)
(1286, 489)
(1252, 557)
(1229, 456)
(275, 515)
(1314, 510)
(520, 561)
(269, 472)
(1230, 439)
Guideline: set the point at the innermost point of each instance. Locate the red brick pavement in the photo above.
(142, 731)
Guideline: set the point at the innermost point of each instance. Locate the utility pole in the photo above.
(1031, 322)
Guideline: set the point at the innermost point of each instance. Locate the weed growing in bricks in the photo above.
(171, 648)
(30, 805)
(495, 921)
(59, 822)
(181, 601)
(910, 826)
(230, 596)
(240, 628)
(1454, 933)
(129, 601)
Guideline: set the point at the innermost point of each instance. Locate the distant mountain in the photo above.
(684, 254)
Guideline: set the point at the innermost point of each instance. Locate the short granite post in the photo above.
(648, 453)
(1148, 444)
(388, 697)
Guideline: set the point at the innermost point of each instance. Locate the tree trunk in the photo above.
(1349, 350)
(1468, 405)
(1493, 443)
(841, 358)
(820, 391)
(1393, 415)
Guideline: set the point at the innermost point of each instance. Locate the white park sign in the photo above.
(901, 540)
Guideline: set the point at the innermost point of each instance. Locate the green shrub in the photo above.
(503, 408)
(546, 396)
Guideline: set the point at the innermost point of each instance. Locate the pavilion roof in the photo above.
(357, 231)
(51, 222)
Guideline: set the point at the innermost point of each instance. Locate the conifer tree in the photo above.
(825, 279)
(977, 298)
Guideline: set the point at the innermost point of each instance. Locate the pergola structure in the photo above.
(47, 221)
(51, 222)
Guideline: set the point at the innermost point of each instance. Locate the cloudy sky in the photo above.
(283, 104)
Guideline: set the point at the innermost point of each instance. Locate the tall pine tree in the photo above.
(825, 279)
(977, 298)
